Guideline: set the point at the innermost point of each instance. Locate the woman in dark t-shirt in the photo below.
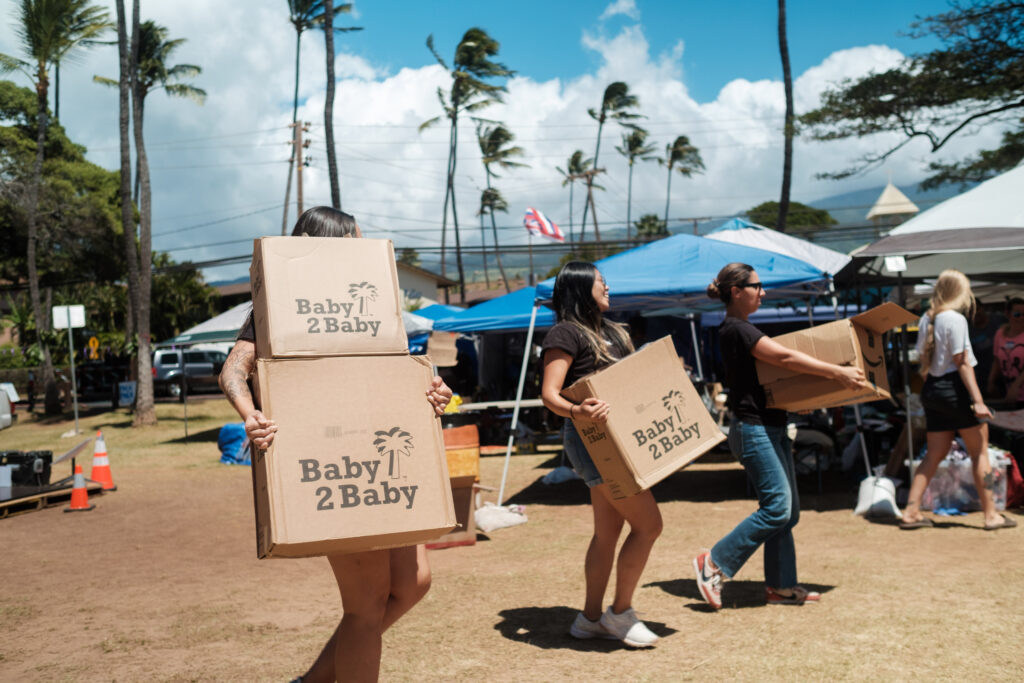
(581, 342)
(757, 434)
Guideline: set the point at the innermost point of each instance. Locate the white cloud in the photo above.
(226, 161)
(624, 7)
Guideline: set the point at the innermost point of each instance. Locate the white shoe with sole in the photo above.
(585, 629)
(628, 628)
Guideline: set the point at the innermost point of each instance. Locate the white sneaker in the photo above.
(584, 629)
(628, 628)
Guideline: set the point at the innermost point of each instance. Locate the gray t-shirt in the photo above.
(951, 338)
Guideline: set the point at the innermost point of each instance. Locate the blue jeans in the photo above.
(766, 454)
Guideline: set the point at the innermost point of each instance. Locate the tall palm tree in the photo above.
(787, 156)
(491, 201)
(305, 15)
(575, 169)
(634, 146)
(615, 105)
(45, 29)
(496, 149)
(154, 73)
(683, 157)
(470, 92)
(332, 154)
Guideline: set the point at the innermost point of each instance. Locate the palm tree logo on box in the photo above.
(362, 292)
(675, 401)
(394, 443)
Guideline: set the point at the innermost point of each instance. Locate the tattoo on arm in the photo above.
(235, 372)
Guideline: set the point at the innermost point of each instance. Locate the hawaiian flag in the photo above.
(538, 224)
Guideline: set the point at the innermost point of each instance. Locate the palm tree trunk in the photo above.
(56, 90)
(332, 157)
(127, 213)
(593, 211)
(629, 199)
(447, 197)
(455, 215)
(41, 315)
(135, 191)
(668, 194)
(483, 250)
(571, 184)
(145, 411)
(590, 181)
(787, 157)
(494, 231)
(295, 123)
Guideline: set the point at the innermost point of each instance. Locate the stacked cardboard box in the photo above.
(657, 423)
(358, 462)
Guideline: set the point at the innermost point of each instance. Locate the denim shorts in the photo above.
(578, 456)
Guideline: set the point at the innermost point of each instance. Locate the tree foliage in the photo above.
(649, 228)
(976, 78)
(799, 215)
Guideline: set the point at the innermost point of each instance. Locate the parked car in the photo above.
(180, 371)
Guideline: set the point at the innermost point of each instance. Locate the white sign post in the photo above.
(70, 317)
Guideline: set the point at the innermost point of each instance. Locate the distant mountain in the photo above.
(852, 208)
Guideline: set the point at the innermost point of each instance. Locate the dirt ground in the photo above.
(161, 583)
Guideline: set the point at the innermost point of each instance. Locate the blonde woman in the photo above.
(951, 398)
(583, 341)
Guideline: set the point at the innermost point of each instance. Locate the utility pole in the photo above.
(299, 163)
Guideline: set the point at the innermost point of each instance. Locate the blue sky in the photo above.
(707, 70)
(722, 40)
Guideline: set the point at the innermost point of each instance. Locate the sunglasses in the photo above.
(755, 285)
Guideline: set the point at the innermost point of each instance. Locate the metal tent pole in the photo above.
(519, 399)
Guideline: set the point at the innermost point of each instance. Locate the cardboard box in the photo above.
(441, 349)
(657, 423)
(856, 341)
(464, 498)
(358, 462)
(325, 296)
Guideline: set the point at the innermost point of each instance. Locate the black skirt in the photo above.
(947, 403)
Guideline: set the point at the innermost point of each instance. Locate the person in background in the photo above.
(987, 321)
(1008, 349)
(378, 586)
(951, 398)
(581, 342)
(757, 435)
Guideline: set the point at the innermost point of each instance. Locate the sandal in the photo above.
(922, 523)
(1007, 523)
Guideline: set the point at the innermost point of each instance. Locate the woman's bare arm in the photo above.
(233, 382)
(966, 372)
(775, 353)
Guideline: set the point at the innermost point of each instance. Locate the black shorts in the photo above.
(947, 404)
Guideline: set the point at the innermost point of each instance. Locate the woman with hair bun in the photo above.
(581, 342)
(757, 435)
(951, 398)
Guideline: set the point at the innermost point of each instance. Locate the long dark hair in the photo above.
(324, 221)
(573, 301)
(732, 275)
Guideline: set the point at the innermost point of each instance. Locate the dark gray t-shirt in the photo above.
(746, 395)
(567, 337)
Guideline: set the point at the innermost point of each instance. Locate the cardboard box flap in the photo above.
(885, 317)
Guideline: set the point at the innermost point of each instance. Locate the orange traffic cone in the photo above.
(101, 464)
(79, 494)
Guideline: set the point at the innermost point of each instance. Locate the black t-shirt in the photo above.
(569, 338)
(746, 395)
(248, 330)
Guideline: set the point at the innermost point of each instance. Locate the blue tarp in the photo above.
(782, 314)
(676, 271)
(438, 311)
(509, 313)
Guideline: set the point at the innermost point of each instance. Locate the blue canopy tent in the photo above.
(507, 313)
(675, 272)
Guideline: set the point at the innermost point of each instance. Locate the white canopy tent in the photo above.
(979, 232)
(739, 231)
